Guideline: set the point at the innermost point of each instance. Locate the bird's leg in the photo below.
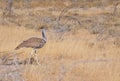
(15, 59)
(30, 57)
(36, 57)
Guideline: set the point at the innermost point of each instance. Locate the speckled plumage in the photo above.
(32, 42)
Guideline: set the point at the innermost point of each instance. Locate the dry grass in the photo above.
(81, 58)
(86, 52)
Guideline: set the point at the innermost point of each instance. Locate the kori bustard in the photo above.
(35, 43)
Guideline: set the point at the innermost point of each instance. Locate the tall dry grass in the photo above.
(79, 57)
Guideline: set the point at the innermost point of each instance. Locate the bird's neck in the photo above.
(44, 35)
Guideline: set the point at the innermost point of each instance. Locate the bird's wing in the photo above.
(31, 42)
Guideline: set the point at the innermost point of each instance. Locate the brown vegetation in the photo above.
(83, 40)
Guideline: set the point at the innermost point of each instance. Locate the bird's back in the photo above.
(33, 42)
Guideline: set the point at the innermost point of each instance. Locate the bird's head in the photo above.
(43, 27)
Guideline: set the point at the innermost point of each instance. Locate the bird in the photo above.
(35, 43)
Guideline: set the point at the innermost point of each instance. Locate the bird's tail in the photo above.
(18, 47)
